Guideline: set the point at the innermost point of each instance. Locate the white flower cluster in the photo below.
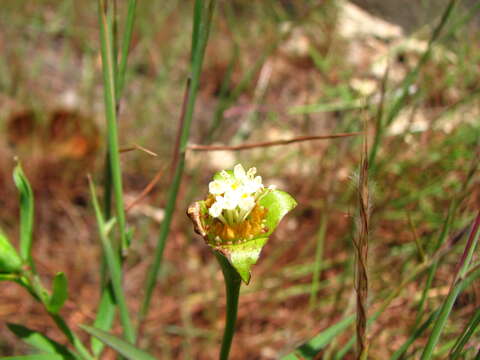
(235, 195)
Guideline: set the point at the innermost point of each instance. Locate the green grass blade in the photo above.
(114, 269)
(434, 267)
(318, 261)
(106, 310)
(105, 316)
(465, 336)
(40, 341)
(35, 357)
(124, 348)
(457, 287)
(409, 80)
(108, 69)
(26, 215)
(415, 335)
(310, 349)
(200, 43)
(127, 38)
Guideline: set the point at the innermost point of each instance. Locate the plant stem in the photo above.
(115, 270)
(232, 287)
(36, 288)
(199, 44)
(108, 65)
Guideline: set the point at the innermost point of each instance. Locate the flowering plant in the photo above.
(238, 216)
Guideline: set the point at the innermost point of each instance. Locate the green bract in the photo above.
(239, 230)
(9, 260)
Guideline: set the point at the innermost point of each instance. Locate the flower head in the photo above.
(236, 194)
(238, 216)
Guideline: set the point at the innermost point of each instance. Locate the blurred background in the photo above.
(273, 70)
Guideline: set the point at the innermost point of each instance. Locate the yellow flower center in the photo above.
(253, 226)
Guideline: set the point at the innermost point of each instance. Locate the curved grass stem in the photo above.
(232, 287)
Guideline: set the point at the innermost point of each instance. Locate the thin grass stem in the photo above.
(199, 43)
(110, 111)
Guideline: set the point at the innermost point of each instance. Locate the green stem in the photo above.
(35, 287)
(72, 338)
(232, 287)
(108, 65)
(199, 44)
(127, 39)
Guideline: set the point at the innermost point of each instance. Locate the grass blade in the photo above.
(127, 38)
(35, 357)
(106, 310)
(114, 269)
(124, 348)
(318, 261)
(40, 341)
(400, 102)
(465, 336)
(108, 69)
(415, 335)
(105, 316)
(311, 348)
(455, 290)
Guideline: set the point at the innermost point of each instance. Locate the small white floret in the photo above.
(217, 187)
(239, 172)
(215, 210)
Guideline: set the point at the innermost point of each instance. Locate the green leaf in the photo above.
(59, 293)
(243, 256)
(115, 269)
(40, 341)
(123, 347)
(9, 277)
(35, 357)
(278, 203)
(26, 213)
(10, 262)
(105, 316)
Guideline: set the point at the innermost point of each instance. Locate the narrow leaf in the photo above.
(105, 316)
(40, 341)
(59, 293)
(35, 357)
(398, 354)
(465, 336)
(311, 348)
(26, 213)
(123, 347)
(115, 270)
(9, 260)
(457, 287)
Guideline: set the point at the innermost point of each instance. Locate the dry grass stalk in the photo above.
(361, 248)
